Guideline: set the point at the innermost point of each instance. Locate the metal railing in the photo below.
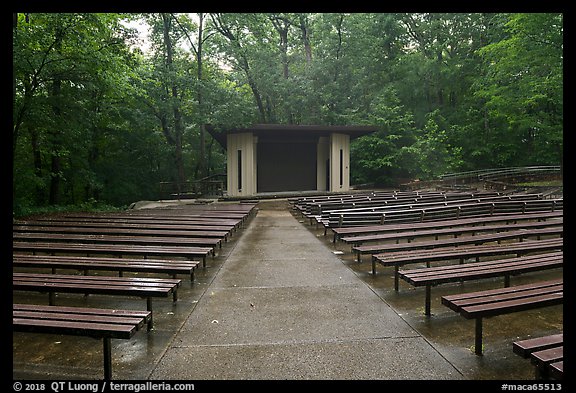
(499, 173)
(213, 185)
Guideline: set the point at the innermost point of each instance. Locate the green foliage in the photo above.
(97, 119)
(23, 211)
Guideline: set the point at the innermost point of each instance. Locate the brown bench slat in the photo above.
(547, 356)
(525, 347)
(556, 370)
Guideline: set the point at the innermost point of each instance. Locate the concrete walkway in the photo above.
(283, 306)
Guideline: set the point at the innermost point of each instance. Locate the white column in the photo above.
(241, 164)
(339, 162)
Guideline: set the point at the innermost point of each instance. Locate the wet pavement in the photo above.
(280, 301)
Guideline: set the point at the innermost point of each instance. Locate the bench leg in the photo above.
(107, 350)
(373, 267)
(149, 308)
(427, 302)
(478, 338)
(396, 278)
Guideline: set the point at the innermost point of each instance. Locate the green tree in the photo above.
(522, 90)
(64, 64)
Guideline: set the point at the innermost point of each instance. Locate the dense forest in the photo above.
(107, 106)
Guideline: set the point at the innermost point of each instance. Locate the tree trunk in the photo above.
(202, 168)
(242, 61)
(55, 132)
(55, 141)
(306, 38)
(178, 126)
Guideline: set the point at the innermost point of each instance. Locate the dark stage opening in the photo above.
(285, 165)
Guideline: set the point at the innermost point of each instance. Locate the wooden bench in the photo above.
(397, 259)
(98, 323)
(190, 253)
(379, 200)
(432, 276)
(147, 288)
(434, 212)
(118, 239)
(132, 225)
(230, 224)
(518, 235)
(120, 265)
(112, 230)
(490, 303)
(452, 223)
(546, 353)
(471, 230)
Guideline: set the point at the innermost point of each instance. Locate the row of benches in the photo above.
(512, 234)
(430, 212)
(425, 210)
(318, 206)
(133, 234)
(501, 237)
(342, 232)
(104, 324)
